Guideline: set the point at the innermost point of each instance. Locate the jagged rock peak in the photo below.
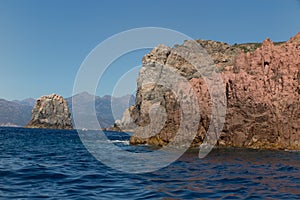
(159, 54)
(51, 112)
(267, 42)
(296, 38)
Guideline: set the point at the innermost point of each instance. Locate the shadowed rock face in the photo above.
(262, 88)
(51, 112)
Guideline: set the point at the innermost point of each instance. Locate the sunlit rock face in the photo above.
(262, 84)
(51, 112)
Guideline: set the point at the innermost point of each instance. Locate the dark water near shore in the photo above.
(56, 165)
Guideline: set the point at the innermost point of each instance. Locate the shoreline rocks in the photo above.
(51, 112)
(126, 124)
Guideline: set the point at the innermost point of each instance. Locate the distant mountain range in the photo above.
(15, 113)
(26, 102)
(18, 113)
(103, 106)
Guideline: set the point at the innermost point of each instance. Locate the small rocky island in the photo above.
(51, 112)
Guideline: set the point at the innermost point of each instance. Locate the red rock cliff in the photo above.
(262, 88)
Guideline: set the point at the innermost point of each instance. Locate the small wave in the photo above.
(288, 150)
(126, 142)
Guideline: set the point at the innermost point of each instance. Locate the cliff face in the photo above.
(262, 88)
(51, 112)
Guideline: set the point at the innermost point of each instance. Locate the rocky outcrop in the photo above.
(262, 88)
(126, 124)
(51, 112)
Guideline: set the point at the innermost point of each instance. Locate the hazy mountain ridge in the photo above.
(18, 112)
(26, 102)
(103, 105)
(14, 113)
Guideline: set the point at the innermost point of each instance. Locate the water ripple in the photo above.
(55, 165)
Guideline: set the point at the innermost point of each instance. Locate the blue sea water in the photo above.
(54, 164)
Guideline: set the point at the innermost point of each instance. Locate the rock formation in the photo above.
(51, 112)
(126, 124)
(262, 88)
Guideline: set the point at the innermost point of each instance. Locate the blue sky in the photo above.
(43, 43)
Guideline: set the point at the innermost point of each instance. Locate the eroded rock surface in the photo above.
(51, 112)
(262, 88)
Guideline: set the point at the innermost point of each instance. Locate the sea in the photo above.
(54, 164)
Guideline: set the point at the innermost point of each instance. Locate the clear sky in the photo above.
(43, 43)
